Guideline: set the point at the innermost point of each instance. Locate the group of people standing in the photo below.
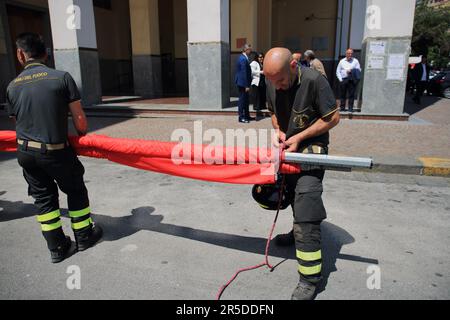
(251, 81)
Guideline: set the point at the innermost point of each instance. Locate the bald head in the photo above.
(349, 54)
(280, 67)
(277, 59)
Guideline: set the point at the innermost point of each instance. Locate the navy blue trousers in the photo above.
(243, 104)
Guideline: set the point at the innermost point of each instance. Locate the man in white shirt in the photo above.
(348, 72)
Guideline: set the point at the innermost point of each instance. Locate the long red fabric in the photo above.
(215, 164)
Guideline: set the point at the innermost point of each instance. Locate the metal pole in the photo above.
(331, 162)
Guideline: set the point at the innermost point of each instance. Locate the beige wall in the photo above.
(289, 23)
(269, 23)
(243, 17)
(264, 25)
(144, 27)
(113, 31)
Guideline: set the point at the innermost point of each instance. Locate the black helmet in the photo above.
(268, 196)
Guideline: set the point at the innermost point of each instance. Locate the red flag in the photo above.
(215, 164)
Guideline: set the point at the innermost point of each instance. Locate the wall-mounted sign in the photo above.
(377, 48)
(396, 61)
(375, 62)
(240, 42)
(395, 74)
(396, 67)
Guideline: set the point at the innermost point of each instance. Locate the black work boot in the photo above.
(88, 237)
(285, 240)
(58, 255)
(304, 291)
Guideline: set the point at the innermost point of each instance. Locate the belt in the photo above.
(41, 146)
(314, 149)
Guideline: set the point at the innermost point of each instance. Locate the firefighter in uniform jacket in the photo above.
(304, 111)
(39, 100)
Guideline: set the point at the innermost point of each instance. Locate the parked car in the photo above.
(440, 84)
(434, 73)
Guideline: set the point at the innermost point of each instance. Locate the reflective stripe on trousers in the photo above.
(310, 263)
(50, 221)
(81, 219)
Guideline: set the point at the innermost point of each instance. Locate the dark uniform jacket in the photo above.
(308, 100)
(39, 100)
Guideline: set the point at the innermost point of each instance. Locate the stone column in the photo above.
(75, 45)
(209, 53)
(147, 72)
(386, 49)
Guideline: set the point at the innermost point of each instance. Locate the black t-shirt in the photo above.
(309, 99)
(39, 100)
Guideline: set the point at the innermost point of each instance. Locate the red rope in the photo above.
(266, 263)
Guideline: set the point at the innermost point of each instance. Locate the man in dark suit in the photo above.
(421, 77)
(243, 81)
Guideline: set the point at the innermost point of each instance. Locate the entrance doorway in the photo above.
(20, 20)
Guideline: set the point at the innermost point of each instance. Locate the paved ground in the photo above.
(171, 238)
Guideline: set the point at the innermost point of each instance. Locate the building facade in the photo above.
(158, 48)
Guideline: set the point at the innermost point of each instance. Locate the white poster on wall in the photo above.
(377, 48)
(395, 74)
(396, 61)
(396, 67)
(375, 62)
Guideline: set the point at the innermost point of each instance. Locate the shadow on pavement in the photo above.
(412, 108)
(333, 237)
(10, 211)
(6, 156)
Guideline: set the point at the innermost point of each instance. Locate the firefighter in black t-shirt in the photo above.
(304, 111)
(39, 100)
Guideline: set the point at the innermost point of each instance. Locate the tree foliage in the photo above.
(431, 35)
